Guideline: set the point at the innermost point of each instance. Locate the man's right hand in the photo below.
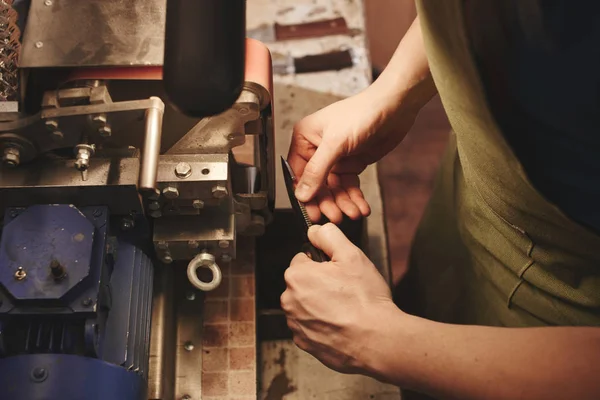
(331, 147)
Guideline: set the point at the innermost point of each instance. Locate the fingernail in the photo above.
(302, 192)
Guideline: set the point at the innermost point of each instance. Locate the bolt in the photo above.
(83, 152)
(105, 131)
(226, 257)
(170, 192)
(167, 259)
(20, 274)
(127, 223)
(57, 136)
(231, 136)
(223, 244)
(219, 192)
(162, 245)
(198, 204)
(39, 45)
(100, 119)
(51, 124)
(183, 170)
(57, 270)
(48, 3)
(154, 205)
(156, 214)
(191, 296)
(192, 244)
(188, 346)
(12, 157)
(86, 302)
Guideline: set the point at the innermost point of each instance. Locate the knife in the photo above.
(332, 61)
(301, 214)
(268, 33)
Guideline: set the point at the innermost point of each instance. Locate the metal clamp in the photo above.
(204, 260)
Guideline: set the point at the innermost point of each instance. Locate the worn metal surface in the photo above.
(36, 238)
(112, 182)
(161, 378)
(189, 306)
(94, 33)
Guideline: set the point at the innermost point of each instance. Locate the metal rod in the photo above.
(151, 149)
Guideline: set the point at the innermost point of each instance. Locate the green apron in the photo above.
(491, 250)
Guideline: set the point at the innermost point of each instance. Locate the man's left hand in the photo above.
(335, 309)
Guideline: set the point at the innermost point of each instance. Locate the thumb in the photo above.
(331, 240)
(316, 170)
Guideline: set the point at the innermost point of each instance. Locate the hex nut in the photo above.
(154, 205)
(171, 192)
(162, 245)
(219, 192)
(223, 244)
(51, 124)
(198, 204)
(105, 131)
(11, 157)
(183, 170)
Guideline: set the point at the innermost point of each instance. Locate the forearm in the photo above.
(473, 362)
(406, 81)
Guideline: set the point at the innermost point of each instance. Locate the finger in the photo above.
(342, 199)
(331, 240)
(316, 170)
(351, 183)
(329, 207)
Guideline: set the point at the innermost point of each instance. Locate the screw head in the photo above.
(191, 296)
(57, 136)
(186, 397)
(39, 45)
(183, 170)
(11, 157)
(219, 192)
(48, 3)
(162, 245)
(87, 302)
(105, 131)
(223, 244)
(188, 346)
(20, 274)
(51, 124)
(198, 204)
(100, 119)
(226, 258)
(171, 192)
(167, 259)
(39, 374)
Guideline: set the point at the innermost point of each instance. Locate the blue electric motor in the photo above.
(75, 307)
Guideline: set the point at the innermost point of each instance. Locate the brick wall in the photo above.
(229, 342)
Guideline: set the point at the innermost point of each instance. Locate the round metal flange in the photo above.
(204, 260)
(27, 151)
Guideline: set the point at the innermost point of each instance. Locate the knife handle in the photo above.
(336, 26)
(333, 61)
(314, 254)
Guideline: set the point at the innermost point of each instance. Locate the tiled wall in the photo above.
(229, 343)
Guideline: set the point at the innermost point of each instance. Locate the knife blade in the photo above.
(268, 33)
(300, 211)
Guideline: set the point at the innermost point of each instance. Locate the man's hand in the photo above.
(335, 308)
